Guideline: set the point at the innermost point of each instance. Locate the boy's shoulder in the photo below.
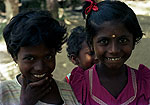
(10, 92)
(9, 84)
(66, 93)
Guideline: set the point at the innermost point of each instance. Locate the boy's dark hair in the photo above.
(32, 28)
(76, 38)
(116, 11)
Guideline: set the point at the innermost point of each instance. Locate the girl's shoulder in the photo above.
(143, 75)
(143, 68)
(143, 80)
(142, 71)
(77, 74)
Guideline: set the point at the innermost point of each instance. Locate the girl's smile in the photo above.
(113, 44)
(36, 62)
(113, 59)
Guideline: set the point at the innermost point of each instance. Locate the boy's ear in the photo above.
(133, 47)
(74, 59)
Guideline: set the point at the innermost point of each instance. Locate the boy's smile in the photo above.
(113, 44)
(36, 62)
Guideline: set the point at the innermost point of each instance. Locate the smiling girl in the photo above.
(113, 31)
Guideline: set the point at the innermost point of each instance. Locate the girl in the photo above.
(113, 32)
(79, 52)
(33, 39)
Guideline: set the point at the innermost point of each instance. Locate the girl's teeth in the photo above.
(114, 59)
(39, 76)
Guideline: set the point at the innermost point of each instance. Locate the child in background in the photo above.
(78, 51)
(113, 31)
(33, 39)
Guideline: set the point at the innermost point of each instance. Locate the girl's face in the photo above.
(113, 44)
(86, 58)
(36, 62)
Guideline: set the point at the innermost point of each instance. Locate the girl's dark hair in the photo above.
(75, 40)
(32, 28)
(116, 11)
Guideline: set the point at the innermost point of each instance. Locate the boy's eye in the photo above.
(29, 58)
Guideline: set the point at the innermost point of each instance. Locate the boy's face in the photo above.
(36, 62)
(113, 45)
(86, 58)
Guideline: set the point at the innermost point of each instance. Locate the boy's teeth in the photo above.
(39, 76)
(114, 59)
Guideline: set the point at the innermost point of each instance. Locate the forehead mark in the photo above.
(113, 36)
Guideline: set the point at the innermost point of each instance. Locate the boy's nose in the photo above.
(39, 65)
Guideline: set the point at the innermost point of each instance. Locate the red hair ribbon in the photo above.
(91, 7)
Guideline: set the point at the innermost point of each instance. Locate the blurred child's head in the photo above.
(113, 30)
(78, 50)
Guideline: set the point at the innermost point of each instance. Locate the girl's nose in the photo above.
(114, 48)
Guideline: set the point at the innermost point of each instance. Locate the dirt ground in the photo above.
(141, 53)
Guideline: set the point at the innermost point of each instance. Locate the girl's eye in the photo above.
(103, 41)
(49, 57)
(123, 40)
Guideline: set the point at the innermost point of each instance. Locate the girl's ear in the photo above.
(74, 59)
(15, 59)
(133, 45)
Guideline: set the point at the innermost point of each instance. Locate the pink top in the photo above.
(71, 75)
(89, 91)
